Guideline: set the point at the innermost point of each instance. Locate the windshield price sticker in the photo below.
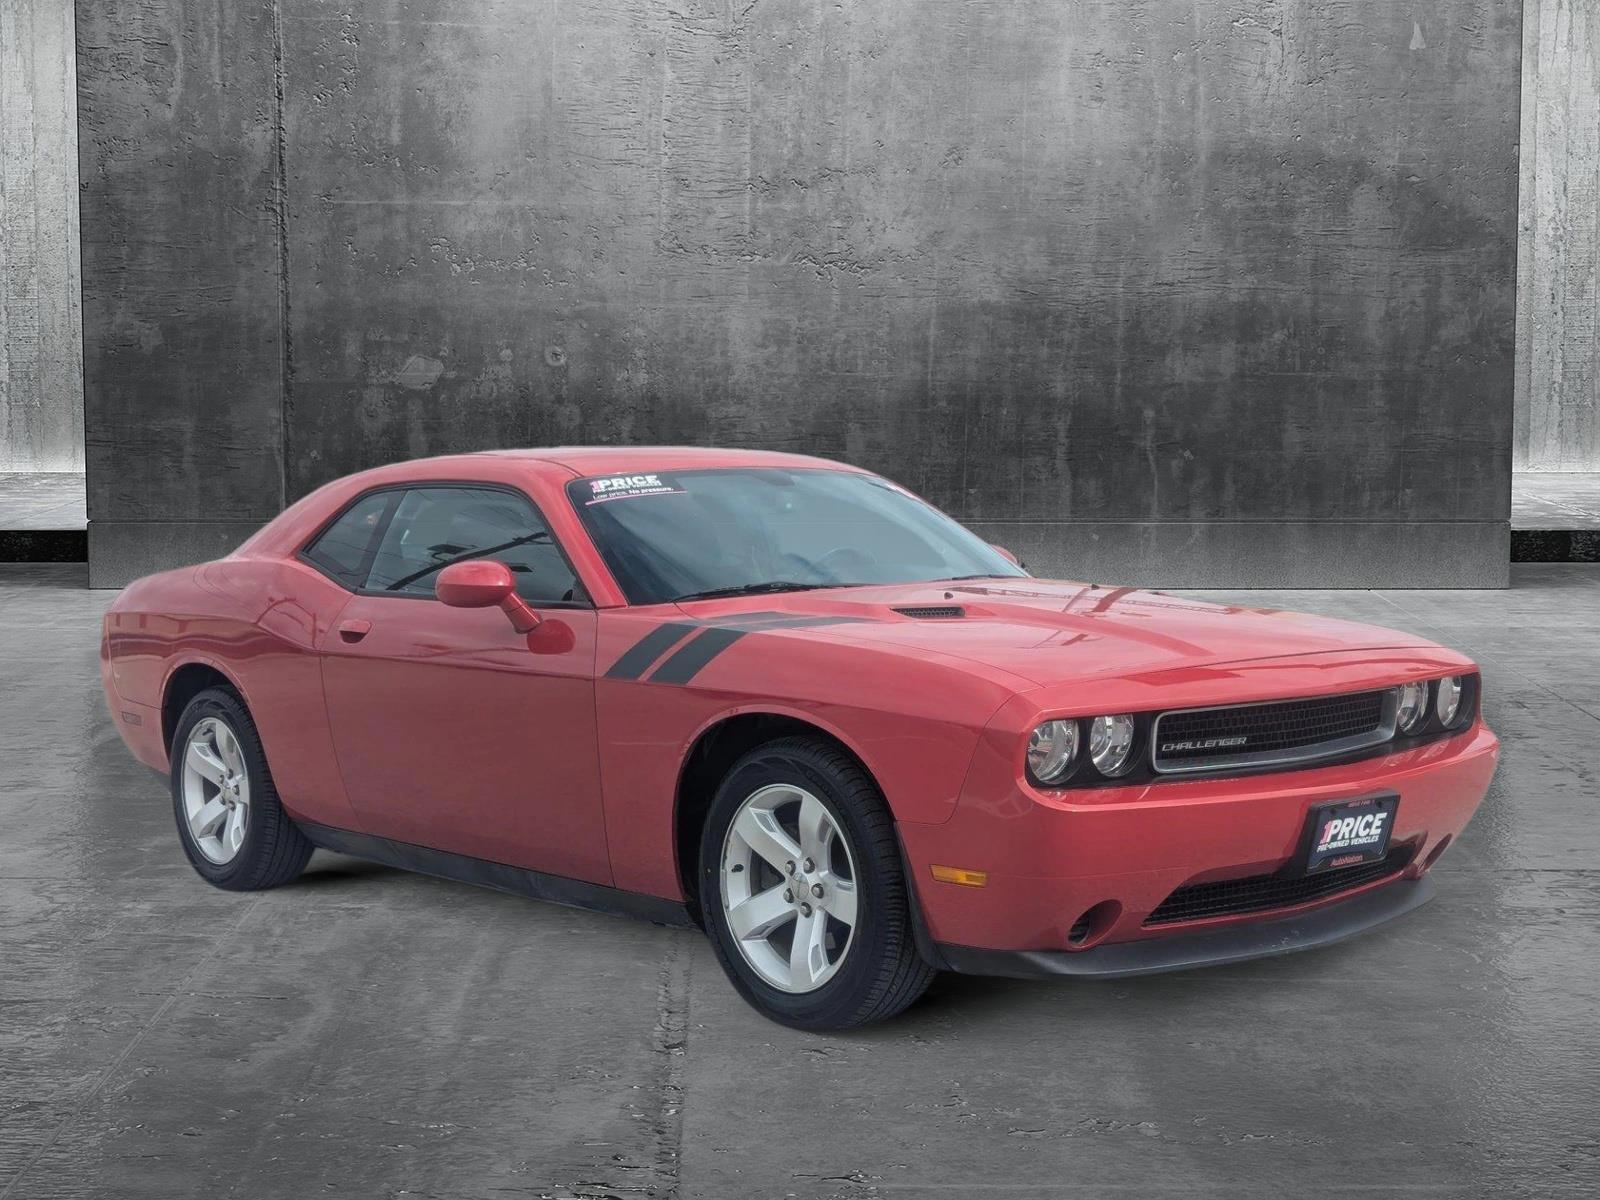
(627, 487)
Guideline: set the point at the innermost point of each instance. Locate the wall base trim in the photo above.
(1555, 545)
(43, 545)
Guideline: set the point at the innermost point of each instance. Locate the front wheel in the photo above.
(801, 884)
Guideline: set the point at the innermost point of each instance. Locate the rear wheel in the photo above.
(230, 822)
(801, 885)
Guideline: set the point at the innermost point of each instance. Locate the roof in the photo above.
(605, 460)
(554, 466)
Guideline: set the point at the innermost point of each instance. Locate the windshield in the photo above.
(676, 535)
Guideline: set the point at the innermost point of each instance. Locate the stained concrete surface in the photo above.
(34, 500)
(41, 320)
(1555, 500)
(1181, 291)
(42, 517)
(1557, 425)
(369, 1032)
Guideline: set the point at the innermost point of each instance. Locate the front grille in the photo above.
(1230, 897)
(1279, 733)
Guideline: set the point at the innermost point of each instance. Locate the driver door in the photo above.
(453, 730)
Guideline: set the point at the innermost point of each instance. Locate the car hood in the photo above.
(1048, 632)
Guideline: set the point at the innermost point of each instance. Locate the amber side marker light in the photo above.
(961, 875)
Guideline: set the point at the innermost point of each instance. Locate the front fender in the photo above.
(913, 721)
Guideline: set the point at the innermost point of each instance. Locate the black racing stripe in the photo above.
(686, 663)
(635, 661)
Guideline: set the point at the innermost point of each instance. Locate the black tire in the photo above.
(274, 851)
(881, 973)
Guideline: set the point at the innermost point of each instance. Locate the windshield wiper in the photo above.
(959, 578)
(756, 589)
(405, 581)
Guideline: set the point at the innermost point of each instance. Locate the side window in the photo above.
(434, 527)
(345, 547)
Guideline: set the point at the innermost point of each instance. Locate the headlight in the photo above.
(1448, 702)
(1052, 749)
(1111, 744)
(1413, 710)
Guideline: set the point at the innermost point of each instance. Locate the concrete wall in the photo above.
(1182, 293)
(41, 351)
(184, 343)
(1558, 335)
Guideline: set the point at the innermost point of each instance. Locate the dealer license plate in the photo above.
(1350, 832)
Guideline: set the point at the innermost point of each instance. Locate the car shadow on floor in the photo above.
(975, 999)
(328, 870)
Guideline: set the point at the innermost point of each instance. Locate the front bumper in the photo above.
(1234, 942)
(1106, 858)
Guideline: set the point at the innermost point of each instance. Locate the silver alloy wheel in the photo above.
(789, 888)
(216, 790)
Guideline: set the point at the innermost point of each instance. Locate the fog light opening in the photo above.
(1433, 855)
(1093, 925)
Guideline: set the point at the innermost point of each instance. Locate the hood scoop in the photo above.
(933, 612)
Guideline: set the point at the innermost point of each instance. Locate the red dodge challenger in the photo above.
(786, 700)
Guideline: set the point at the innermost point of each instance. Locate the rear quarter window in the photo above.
(344, 549)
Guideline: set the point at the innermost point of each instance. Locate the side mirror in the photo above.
(484, 583)
(1006, 554)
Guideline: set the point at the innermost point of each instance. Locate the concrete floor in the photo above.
(368, 1032)
(35, 500)
(1555, 500)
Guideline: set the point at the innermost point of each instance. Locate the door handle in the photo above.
(354, 630)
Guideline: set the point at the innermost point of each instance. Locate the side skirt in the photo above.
(502, 877)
